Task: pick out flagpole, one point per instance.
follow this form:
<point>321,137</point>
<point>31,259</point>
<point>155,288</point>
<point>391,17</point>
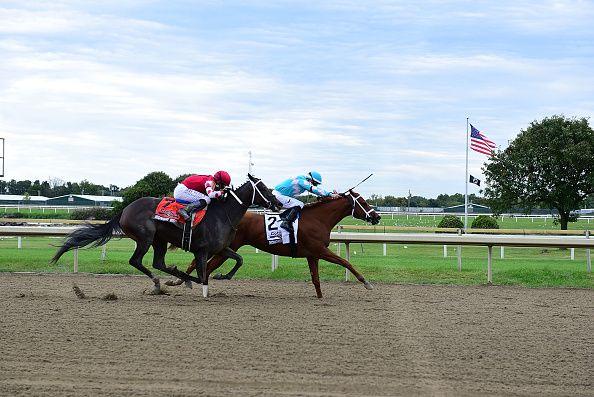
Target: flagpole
<point>466,182</point>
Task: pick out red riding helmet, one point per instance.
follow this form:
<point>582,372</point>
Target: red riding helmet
<point>222,178</point>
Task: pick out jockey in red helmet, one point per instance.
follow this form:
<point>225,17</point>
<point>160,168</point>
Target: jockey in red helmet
<point>198,190</point>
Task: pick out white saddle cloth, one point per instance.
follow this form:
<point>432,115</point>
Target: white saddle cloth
<point>275,234</point>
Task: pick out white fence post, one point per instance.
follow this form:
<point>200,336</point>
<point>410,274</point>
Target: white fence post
<point>445,251</point>
<point>19,242</point>
<point>274,262</point>
<point>385,249</point>
<point>459,253</point>
<point>588,259</point>
<point>75,268</point>
<point>490,264</point>
<point>348,258</point>
<point>502,253</point>
<point>103,251</point>
<point>572,253</point>
<point>257,250</point>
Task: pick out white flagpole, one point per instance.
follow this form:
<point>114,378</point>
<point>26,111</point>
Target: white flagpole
<point>466,182</point>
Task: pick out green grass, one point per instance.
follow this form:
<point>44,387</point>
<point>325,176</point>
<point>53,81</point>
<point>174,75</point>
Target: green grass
<point>37,213</point>
<point>404,264</point>
<point>387,220</point>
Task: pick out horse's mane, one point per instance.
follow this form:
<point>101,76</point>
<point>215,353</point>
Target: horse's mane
<point>321,201</point>
<point>215,203</point>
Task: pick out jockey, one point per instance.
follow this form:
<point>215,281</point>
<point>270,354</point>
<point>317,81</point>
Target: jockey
<point>286,191</point>
<point>198,190</point>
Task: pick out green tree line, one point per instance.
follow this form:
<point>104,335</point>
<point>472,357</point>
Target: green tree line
<point>55,187</point>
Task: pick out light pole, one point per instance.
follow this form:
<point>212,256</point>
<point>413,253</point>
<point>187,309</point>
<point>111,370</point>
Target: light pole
<point>409,196</point>
<point>2,157</point>
<point>250,164</point>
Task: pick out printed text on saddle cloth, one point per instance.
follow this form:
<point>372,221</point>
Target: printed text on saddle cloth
<point>276,234</point>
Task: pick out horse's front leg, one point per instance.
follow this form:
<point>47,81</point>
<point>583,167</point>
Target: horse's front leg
<point>200,257</point>
<point>220,259</point>
<point>160,248</point>
<point>330,256</point>
<point>179,281</point>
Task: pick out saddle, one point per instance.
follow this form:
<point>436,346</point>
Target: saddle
<point>168,211</point>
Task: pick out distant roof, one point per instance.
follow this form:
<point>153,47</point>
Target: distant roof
<point>469,204</point>
<point>20,197</point>
<point>91,197</point>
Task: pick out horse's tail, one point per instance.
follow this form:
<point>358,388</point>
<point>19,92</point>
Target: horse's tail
<point>90,234</point>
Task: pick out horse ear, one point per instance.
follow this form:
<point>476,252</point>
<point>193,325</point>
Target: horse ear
<point>250,176</point>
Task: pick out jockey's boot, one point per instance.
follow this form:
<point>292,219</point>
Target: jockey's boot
<point>288,217</point>
<point>187,211</point>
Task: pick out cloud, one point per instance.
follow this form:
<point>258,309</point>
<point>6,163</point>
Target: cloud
<point>92,90</point>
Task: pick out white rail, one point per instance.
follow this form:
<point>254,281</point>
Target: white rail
<point>487,240</point>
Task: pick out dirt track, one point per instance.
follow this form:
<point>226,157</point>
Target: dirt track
<point>275,338</point>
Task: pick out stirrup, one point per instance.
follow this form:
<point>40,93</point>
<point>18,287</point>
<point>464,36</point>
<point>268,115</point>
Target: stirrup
<point>184,214</point>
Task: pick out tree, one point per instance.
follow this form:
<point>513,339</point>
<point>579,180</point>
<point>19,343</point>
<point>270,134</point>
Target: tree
<point>550,164</point>
<point>155,184</point>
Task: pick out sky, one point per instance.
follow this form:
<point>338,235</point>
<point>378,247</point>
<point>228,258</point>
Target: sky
<point>109,91</point>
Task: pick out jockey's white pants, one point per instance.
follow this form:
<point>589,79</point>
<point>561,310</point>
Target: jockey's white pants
<point>286,201</point>
<point>184,194</point>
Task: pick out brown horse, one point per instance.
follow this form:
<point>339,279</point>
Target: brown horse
<point>313,237</point>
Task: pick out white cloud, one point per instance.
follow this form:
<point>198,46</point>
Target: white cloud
<point>88,90</point>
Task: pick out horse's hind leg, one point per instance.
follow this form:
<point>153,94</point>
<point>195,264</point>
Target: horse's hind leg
<point>315,277</point>
<point>136,261</point>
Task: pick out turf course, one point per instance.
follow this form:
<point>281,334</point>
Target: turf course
<point>504,223</point>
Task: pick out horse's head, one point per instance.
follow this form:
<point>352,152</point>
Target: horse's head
<point>262,196</point>
<point>361,210</point>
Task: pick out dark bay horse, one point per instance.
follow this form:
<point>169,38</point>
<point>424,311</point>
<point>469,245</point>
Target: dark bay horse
<point>212,236</point>
<point>313,236</point>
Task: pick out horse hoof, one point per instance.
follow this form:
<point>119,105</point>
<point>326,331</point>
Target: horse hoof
<point>188,284</point>
<point>173,283</point>
<point>368,285</point>
<point>218,276</point>
<point>155,291</point>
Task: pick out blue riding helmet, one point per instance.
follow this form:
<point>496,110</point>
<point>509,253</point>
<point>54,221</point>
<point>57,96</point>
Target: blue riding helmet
<point>315,177</point>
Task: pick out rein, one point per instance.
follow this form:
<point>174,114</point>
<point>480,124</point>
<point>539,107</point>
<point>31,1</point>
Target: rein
<point>254,190</point>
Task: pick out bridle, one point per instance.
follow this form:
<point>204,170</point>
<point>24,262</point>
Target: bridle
<point>355,202</point>
<point>254,190</point>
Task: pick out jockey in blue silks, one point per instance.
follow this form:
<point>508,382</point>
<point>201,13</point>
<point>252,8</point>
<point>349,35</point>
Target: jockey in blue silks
<point>286,191</point>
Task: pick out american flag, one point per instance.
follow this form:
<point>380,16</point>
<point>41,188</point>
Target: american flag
<point>480,143</point>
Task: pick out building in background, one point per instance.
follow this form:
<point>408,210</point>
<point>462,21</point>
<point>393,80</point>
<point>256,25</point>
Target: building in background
<point>83,200</point>
<point>19,199</point>
<point>472,209</point>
